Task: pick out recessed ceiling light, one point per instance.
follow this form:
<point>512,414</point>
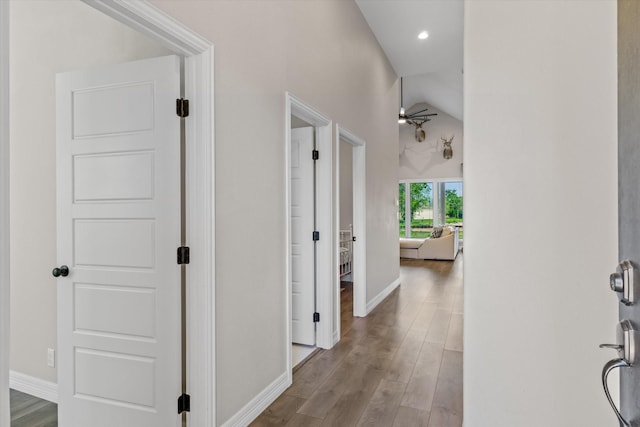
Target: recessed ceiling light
<point>423,35</point>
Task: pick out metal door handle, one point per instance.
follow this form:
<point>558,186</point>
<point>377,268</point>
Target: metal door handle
<point>613,346</point>
<point>63,271</point>
<point>608,367</point>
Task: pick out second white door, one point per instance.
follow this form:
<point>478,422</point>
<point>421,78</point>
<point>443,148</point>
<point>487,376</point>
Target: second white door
<point>302,244</point>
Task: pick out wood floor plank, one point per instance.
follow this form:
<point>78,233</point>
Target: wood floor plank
<point>420,392</point>
<point>330,391</point>
<point>421,388</point>
<point>454,336</point>
<point>458,305</point>
<point>383,406</point>
<point>364,381</point>
<point>410,417</point>
<point>404,362</point>
<point>30,411</point>
<point>355,399</point>
<point>37,419</point>
<point>429,360</point>
<point>400,369</point>
<point>451,367</point>
<point>348,410</point>
<point>387,345</point>
<point>423,320</point>
<point>441,417</point>
<point>299,420</point>
<point>448,396</point>
<point>365,353</point>
<point>447,299</point>
<point>313,373</point>
<point>439,327</point>
<point>279,412</point>
<point>339,351</point>
<point>407,316</point>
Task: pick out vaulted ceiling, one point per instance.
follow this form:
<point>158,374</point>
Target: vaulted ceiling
<point>431,68</point>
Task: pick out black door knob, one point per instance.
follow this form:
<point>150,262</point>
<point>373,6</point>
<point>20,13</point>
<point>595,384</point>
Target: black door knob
<point>63,271</point>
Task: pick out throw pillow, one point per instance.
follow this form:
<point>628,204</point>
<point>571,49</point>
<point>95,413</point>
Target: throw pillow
<point>437,232</point>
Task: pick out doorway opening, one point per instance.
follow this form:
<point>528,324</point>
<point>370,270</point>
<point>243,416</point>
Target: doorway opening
<point>351,219</point>
<point>309,252</point>
<point>304,265</point>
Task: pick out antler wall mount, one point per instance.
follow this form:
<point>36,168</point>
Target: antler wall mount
<point>447,151</point>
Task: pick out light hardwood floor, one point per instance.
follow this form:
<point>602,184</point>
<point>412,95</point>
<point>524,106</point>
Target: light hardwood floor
<point>399,366</point>
<point>29,411</point>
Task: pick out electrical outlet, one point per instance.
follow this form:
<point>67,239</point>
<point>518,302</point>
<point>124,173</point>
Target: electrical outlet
<point>51,358</point>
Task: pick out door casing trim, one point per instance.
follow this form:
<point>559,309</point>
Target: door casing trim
<point>324,194</point>
<point>200,199</point>
<point>4,215</point>
<point>359,220</point>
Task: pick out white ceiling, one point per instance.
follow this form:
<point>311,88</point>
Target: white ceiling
<point>432,68</point>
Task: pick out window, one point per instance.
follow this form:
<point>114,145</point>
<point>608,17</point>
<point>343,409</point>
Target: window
<point>452,206</point>
<point>421,208</point>
<point>401,209</point>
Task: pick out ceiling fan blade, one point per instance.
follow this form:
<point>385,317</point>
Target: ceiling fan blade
<point>422,115</point>
<point>423,118</point>
<point>418,112</point>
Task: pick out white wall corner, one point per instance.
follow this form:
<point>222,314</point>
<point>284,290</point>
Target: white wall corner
<point>258,404</point>
<point>382,295</point>
<point>34,386</point>
<point>4,214</point>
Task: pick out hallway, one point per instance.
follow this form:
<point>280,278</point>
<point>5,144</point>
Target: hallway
<point>400,366</point>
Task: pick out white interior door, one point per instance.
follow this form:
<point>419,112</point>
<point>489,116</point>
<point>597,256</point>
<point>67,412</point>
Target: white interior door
<point>302,245</point>
<point>118,225</point>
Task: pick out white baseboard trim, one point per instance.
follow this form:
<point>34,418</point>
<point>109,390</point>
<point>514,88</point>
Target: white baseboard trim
<point>266,397</point>
<point>336,338</point>
<point>34,386</point>
<point>382,295</point>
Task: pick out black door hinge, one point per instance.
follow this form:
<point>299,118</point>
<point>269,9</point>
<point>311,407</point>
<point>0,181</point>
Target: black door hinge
<point>316,317</point>
<point>183,255</point>
<point>316,236</point>
<point>182,107</point>
<point>184,403</point>
<point>315,155</point>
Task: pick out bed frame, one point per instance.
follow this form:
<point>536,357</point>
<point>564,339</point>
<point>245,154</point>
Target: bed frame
<point>346,251</point>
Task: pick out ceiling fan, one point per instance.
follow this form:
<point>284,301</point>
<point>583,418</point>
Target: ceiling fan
<point>416,119</point>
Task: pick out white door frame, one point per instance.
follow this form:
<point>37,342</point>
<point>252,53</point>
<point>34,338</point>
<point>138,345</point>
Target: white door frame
<point>324,200</point>
<point>4,214</point>
<point>198,53</point>
<point>359,220</point>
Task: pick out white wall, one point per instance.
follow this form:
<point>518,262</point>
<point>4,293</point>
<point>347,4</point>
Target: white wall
<point>4,216</point>
<point>442,88</point>
<point>46,38</point>
<point>540,211</point>
<point>424,159</point>
<point>324,53</point>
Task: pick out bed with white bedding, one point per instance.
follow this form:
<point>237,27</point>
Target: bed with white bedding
<point>346,251</point>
